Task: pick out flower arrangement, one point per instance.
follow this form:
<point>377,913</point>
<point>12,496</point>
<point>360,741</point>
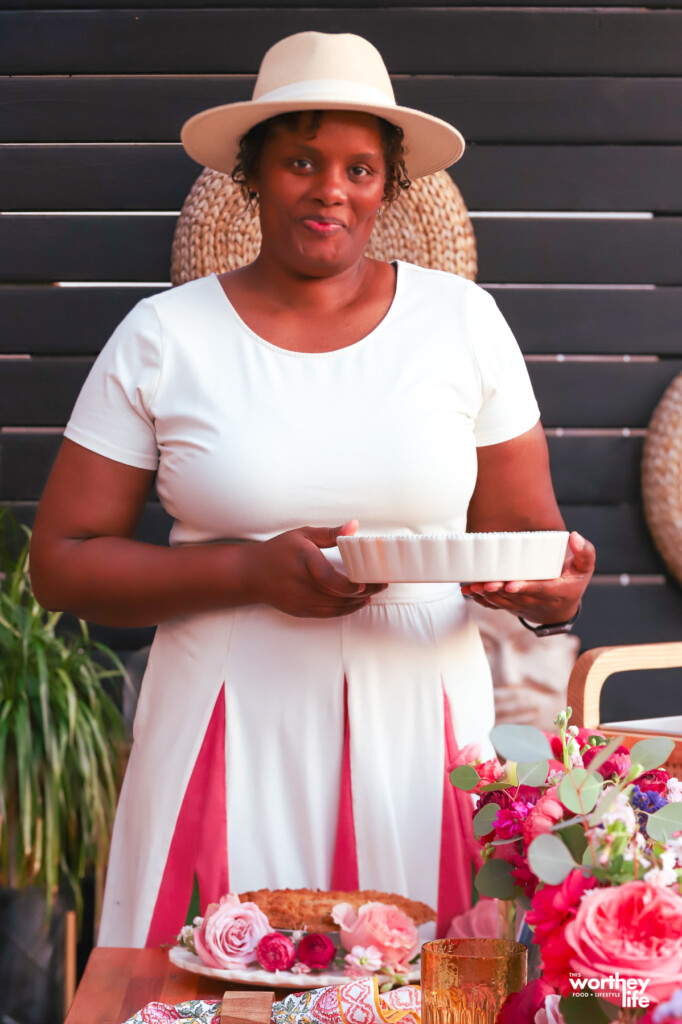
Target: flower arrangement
<point>587,836</point>
<point>379,939</point>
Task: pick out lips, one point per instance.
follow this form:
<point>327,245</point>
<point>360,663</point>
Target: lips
<point>323,225</point>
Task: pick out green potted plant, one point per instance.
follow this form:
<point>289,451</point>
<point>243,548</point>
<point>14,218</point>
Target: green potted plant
<point>60,740</point>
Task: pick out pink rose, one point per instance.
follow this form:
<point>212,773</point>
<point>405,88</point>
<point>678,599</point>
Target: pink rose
<point>380,925</point>
<point>553,907</point>
<point>230,933</point>
<point>490,771</point>
<point>546,813</point>
<point>481,922</point>
<point>617,764</point>
<point>316,950</point>
<point>275,952</point>
<point>465,755</point>
<point>634,929</point>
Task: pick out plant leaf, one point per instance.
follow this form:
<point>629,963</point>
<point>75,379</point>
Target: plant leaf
<point>579,790</point>
<point>521,743</point>
<point>662,824</point>
<point>605,803</point>
<point>496,787</point>
<point>485,819</point>
<point>573,836</point>
<point>583,1009</point>
<point>550,859</point>
<point>495,878</point>
<point>652,753</point>
<point>465,777</point>
<point>532,773</point>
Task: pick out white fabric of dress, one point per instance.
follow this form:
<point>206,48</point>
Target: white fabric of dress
<point>250,440</point>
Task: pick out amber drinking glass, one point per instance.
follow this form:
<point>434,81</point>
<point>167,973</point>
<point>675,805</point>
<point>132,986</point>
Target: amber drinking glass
<point>465,981</point>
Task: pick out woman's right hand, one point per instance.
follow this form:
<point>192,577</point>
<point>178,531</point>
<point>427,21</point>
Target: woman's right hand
<point>290,573</point>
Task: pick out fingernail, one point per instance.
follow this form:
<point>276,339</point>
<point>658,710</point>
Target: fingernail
<point>580,541</point>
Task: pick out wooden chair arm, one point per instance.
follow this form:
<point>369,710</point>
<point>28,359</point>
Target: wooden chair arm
<point>593,668</point>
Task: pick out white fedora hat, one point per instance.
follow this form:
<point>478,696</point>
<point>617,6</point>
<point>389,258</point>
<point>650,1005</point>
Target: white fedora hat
<point>321,71</point>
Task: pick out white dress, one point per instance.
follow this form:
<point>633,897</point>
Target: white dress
<point>251,440</point>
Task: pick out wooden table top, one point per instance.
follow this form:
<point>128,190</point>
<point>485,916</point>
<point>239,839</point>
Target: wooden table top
<point>118,982</point>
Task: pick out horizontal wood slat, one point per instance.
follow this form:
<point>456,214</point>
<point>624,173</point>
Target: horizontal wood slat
<point>147,108</point>
<point>600,321</point>
<point>158,177</point>
<point>551,250</point>
<point>585,470</point>
<point>73,321</point>
<point>41,392</point>
<point>527,41</point>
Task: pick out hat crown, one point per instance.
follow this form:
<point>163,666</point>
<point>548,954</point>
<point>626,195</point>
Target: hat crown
<point>316,56</point>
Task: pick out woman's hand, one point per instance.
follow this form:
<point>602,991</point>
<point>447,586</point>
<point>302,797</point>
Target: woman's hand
<point>290,573</point>
<point>542,601</point>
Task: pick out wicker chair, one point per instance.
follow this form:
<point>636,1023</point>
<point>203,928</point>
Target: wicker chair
<point>428,225</point>
<point>591,671</point>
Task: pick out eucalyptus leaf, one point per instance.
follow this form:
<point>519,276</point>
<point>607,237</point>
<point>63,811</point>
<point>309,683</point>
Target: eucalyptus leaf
<point>662,824</point>
<point>532,773</point>
<point>605,803</point>
<point>579,790</point>
<point>574,838</point>
<point>651,753</point>
<point>496,787</point>
<point>521,743</point>
<point>485,819</point>
<point>494,878</point>
<point>550,859</point>
<point>465,777</point>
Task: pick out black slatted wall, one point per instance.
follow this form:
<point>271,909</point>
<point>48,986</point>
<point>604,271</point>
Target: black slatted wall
<point>573,175</point>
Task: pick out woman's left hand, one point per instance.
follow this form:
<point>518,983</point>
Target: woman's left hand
<point>542,601</point>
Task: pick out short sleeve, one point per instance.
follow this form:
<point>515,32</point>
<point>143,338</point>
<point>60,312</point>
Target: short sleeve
<point>113,414</point>
<point>508,404</point>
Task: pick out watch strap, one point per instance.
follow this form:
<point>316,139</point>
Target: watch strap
<point>551,628</point>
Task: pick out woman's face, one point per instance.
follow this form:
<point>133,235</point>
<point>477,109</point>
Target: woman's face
<point>319,193</point>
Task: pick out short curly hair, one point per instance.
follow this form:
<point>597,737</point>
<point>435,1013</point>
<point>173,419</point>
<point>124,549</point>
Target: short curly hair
<point>251,148</point>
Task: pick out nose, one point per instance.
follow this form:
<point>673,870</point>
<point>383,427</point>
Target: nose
<point>332,184</point>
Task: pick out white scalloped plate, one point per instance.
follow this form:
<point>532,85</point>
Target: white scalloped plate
<point>454,558</point>
<point>188,961</point>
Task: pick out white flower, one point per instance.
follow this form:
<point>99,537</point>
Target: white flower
<point>573,730</point>
<point>555,777</point>
<point>363,961</point>
<point>620,811</point>
<point>674,791</point>
<point>636,844</point>
<point>300,968</point>
<point>666,874</point>
<point>186,933</point>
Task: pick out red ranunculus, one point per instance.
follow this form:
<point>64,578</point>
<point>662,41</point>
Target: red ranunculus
<point>617,764</point>
<point>275,952</point>
<point>316,950</point>
<point>656,780</point>
<point>521,1007</point>
<point>553,907</point>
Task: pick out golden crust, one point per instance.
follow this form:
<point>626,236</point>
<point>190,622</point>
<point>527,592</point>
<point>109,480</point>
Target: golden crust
<point>311,908</point>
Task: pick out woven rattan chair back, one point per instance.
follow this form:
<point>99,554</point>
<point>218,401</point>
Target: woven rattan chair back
<point>662,477</point>
<point>428,225</point>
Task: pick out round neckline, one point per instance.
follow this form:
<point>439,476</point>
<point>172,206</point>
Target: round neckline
<point>354,346</point>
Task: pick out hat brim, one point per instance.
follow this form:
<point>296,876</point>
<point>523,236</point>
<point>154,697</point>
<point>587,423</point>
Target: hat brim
<point>212,136</point>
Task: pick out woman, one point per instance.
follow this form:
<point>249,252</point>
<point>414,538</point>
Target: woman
<point>294,728</point>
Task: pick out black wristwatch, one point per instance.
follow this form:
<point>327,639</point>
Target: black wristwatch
<point>551,628</point>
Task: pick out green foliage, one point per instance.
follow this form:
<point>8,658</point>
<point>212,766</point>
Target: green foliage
<point>60,737</point>
<point>521,743</point>
<point>494,878</point>
<point>650,754</point>
<point>533,773</point>
<point>579,790</point>
<point>464,777</point>
<point>584,1009</point>
<point>550,859</point>
<point>664,823</point>
<point>484,820</point>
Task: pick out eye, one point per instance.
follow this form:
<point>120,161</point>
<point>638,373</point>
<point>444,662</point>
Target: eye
<point>301,163</point>
<point>358,171</point>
